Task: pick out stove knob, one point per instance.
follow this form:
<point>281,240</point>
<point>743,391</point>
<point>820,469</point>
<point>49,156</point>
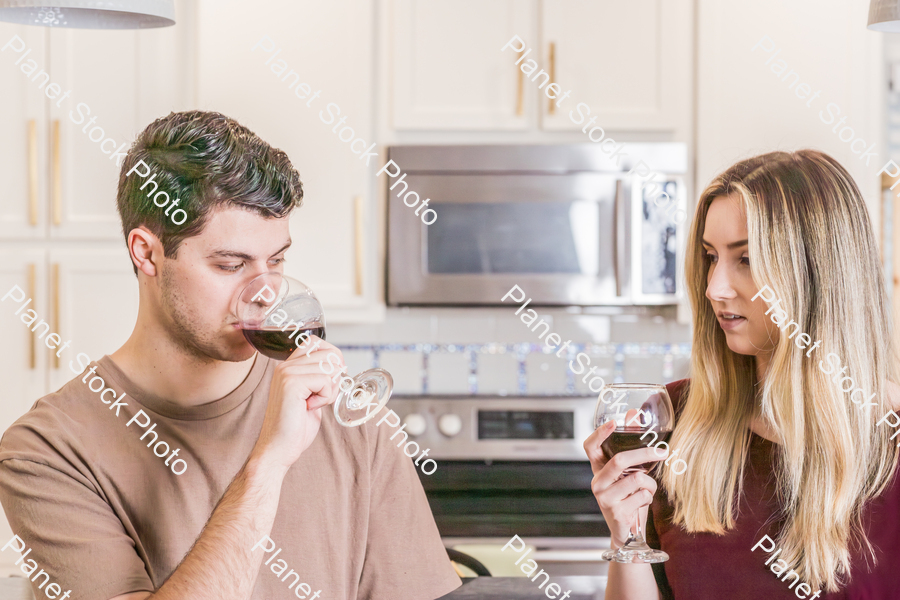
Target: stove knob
<point>450,424</point>
<point>415,424</point>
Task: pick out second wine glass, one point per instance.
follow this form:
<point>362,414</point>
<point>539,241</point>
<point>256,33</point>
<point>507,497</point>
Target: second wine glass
<point>277,315</point>
<point>643,416</point>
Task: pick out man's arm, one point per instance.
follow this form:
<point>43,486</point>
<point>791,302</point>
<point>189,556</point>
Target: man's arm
<point>222,564</point>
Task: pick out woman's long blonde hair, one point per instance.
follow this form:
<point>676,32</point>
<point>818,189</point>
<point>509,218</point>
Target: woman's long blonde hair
<point>810,240</point>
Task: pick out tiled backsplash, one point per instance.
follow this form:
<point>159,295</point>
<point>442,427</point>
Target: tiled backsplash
<point>489,351</point>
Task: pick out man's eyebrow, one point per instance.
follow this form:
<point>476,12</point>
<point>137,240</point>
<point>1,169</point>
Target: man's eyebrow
<point>730,246</point>
<point>230,254</point>
<point>243,255</point>
<point>285,247</point>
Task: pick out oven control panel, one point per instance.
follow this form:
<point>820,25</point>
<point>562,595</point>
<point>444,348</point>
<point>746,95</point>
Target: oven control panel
<point>498,428</point>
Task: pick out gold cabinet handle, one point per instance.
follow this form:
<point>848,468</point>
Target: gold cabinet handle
<point>520,90</point>
<point>32,173</point>
<point>32,347</point>
<point>358,213</point>
<point>552,105</point>
<point>56,327</point>
<point>57,176</point>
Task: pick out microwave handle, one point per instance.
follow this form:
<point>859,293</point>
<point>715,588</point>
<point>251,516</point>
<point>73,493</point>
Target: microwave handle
<point>619,235</point>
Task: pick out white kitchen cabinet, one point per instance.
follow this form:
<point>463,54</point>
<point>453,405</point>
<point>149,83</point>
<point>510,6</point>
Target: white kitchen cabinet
<point>245,71</point>
<point>629,62</point>
<point>88,295</point>
<point>107,72</point>
<point>60,181</point>
<point>448,70</point>
<point>100,70</point>
<point>23,128</point>
<point>23,357</point>
<point>97,295</point>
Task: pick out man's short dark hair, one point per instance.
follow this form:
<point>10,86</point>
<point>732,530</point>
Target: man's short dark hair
<point>206,160</point>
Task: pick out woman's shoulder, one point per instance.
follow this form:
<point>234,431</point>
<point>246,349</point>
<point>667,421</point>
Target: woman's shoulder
<point>678,393</point>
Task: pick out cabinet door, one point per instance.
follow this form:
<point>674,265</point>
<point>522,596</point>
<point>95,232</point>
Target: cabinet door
<point>95,294</point>
<point>99,68</point>
<point>449,70</point>
<point>258,78</point>
<point>629,62</point>
<point>22,129</point>
<point>23,358</point>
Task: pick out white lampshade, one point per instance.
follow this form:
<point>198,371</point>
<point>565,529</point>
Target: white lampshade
<point>884,16</point>
<point>90,14</point>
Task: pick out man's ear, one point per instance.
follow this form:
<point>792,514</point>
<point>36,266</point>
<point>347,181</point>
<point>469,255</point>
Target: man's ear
<point>146,250</point>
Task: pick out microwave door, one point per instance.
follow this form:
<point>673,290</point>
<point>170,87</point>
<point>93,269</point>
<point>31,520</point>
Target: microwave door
<point>658,240</point>
<point>553,235</point>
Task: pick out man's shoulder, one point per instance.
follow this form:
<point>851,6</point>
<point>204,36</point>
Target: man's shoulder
<point>365,444</point>
<point>56,421</point>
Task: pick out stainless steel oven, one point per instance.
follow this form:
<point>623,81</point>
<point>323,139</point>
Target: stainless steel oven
<point>564,223</point>
<point>511,466</point>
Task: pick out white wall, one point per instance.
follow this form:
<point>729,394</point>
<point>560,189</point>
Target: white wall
<point>745,109</point>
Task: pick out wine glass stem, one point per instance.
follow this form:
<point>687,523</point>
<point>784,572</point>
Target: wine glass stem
<point>637,536</point>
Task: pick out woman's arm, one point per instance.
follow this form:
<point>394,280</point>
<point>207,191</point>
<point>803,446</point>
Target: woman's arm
<point>627,582</point>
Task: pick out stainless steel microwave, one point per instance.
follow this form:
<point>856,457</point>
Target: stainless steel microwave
<point>563,222</point>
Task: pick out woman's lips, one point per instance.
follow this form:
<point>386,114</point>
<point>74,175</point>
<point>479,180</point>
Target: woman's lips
<point>727,323</point>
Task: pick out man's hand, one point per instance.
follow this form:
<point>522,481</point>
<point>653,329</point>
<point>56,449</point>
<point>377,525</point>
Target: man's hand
<point>300,389</point>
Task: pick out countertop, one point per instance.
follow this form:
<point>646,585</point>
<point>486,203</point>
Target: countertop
<point>522,588</point>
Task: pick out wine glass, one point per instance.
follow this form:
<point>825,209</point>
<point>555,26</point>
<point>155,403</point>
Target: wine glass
<point>643,415</point>
<point>278,314</point>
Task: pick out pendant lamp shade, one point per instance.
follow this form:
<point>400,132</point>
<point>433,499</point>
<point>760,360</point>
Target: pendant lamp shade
<point>90,14</point>
<point>884,16</point>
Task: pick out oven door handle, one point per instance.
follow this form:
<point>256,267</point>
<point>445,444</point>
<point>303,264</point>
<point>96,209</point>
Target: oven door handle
<point>619,235</point>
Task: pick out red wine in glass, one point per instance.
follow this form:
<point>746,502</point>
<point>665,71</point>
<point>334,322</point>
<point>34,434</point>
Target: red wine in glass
<point>630,438</point>
<point>279,343</point>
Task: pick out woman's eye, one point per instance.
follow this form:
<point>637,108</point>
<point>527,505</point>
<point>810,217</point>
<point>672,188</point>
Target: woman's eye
<point>745,260</point>
<point>712,257</point>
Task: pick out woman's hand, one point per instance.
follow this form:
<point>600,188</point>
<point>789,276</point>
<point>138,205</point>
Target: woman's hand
<point>618,498</point>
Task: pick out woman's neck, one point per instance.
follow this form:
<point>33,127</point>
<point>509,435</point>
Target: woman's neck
<point>758,425</point>
<point>762,366</point>
<point>761,428</point>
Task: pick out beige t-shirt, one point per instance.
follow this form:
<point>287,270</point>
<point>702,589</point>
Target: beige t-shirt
<point>104,516</point>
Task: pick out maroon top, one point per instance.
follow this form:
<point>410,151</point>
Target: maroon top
<point>706,566</point>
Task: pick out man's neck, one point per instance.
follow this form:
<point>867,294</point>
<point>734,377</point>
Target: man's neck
<point>169,372</point>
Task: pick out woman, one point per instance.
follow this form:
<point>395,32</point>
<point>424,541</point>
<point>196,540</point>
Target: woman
<point>774,447</point>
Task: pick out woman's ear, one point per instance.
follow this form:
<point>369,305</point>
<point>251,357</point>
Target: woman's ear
<point>146,250</point>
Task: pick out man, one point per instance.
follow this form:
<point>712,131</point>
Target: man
<point>271,498</point>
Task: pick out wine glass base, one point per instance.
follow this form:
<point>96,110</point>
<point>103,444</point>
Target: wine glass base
<point>364,399</point>
<point>638,554</point>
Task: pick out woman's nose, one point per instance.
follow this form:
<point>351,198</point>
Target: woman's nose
<point>720,286</point>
